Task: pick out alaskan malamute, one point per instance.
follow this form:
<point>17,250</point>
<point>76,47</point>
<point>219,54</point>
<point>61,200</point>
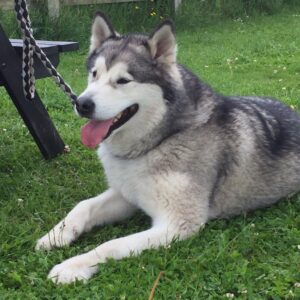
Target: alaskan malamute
<point>171,147</point>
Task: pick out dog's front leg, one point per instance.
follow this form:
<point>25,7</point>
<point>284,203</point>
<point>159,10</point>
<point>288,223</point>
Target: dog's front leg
<point>106,208</point>
<point>82,267</point>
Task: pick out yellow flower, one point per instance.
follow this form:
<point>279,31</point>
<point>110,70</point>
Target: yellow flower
<point>136,7</point>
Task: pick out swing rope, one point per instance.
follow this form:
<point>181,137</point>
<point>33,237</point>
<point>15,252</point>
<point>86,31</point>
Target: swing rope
<point>30,48</point>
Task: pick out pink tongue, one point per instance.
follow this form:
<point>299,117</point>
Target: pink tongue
<point>94,132</point>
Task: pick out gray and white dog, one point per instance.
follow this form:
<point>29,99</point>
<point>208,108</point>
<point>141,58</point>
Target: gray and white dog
<point>171,147</point>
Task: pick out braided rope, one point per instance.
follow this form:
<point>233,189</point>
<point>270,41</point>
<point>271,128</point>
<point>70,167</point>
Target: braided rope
<point>30,48</point>
<point>27,57</point>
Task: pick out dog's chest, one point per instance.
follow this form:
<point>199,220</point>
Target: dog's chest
<point>132,179</point>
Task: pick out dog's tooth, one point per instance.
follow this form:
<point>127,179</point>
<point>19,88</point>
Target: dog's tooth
<point>117,117</point>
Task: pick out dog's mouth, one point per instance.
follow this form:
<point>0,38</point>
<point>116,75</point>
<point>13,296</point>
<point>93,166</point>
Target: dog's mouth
<point>96,131</point>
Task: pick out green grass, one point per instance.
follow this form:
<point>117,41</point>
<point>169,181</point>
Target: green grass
<point>257,253</point>
<point>74,21</point>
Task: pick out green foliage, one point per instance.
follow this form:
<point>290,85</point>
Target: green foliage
<point>240,7</point>
<point>75,21</point>
<point>253,257</point>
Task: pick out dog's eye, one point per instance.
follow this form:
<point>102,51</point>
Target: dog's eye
<point>123,81</point>
<point>94,73</point>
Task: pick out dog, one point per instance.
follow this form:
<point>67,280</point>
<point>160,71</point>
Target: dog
<point>171,147</point>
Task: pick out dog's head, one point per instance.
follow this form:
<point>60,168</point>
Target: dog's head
<point>130,85</point>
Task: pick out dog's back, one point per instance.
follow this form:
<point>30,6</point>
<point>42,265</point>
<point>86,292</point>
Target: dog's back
<point>264,143</point>
<point>247,153</point>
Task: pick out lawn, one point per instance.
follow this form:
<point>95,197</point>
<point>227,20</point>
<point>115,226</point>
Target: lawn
<point>255,256</point>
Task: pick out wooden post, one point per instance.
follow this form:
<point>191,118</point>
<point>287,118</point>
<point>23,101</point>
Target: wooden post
<point>53,8</point>
<point>177,4</point>
<point>33,112</point>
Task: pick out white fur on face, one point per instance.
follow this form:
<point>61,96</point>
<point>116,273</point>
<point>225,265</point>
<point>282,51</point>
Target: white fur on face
<point>100,68</point>
<point>111,98</point>
<point>152,109</point>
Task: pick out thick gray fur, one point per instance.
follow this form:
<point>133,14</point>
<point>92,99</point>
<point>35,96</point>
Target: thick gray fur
<point>186,156</point>
<point>244,150</point>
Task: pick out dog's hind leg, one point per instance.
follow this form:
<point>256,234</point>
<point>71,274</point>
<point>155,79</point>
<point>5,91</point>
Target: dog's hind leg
<point>106,208</point>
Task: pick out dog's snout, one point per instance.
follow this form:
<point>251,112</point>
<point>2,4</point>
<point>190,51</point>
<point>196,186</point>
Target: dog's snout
<point>85,106</point>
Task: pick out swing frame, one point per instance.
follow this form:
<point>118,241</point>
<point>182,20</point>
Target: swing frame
<point>34,114</point>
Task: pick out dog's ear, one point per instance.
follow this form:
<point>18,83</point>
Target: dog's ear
<point>162,43</point>
<point>101,30</point>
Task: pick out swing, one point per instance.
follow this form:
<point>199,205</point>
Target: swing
<point>34,65</point>
<point>30,47</point>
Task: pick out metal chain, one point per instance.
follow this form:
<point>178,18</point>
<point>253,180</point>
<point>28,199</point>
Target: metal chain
<point>30,48</point>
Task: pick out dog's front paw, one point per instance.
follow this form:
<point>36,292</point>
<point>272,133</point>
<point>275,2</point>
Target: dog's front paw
<point>60,236</point>
<point>74,269</point>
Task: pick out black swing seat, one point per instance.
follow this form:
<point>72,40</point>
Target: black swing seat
<point>51,48</point>
<point>33,112</point>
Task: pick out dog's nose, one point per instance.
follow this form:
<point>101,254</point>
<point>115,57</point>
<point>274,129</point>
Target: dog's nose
<point>85,107</point>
